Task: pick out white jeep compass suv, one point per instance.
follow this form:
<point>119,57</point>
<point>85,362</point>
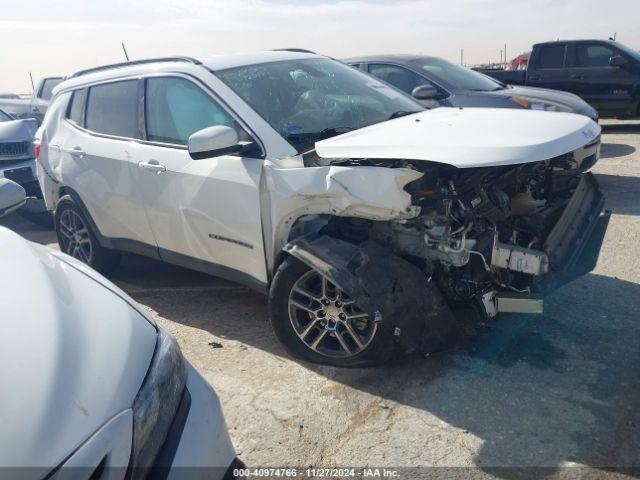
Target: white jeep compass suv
<point>371,223</point>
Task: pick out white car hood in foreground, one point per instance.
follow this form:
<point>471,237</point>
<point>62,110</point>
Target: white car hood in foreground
<point>469,137</point>
<point>74,355</point>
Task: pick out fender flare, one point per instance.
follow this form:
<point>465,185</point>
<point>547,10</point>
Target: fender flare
<point>389,288</point>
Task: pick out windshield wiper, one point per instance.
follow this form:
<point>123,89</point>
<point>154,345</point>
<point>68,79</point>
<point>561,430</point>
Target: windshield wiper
<point>304,138</point>
<point>401,113</point>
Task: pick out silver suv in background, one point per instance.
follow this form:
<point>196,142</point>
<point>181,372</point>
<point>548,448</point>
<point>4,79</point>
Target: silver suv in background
<point>437,82</point>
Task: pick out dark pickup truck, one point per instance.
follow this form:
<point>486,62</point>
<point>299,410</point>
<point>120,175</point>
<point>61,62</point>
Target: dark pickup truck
<point>605,73</point>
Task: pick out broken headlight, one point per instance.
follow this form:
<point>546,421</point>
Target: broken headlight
<point>157,402</point>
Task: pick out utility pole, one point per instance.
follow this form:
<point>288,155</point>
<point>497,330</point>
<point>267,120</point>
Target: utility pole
<point>462,57</point>
<point>125,51</point>
<point>505,53</point>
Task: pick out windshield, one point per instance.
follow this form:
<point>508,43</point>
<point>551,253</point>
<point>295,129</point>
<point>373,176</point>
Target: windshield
<point>460,78</point>
<point>629,51</point>
<point>310,99</point>
<point>4,117</point>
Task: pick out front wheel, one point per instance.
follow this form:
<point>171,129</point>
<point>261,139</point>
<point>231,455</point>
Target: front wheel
<point>76,238</point>
<point>316,321</point>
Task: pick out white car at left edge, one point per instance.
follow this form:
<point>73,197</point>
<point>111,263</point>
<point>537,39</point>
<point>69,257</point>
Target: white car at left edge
<point>92,388</point>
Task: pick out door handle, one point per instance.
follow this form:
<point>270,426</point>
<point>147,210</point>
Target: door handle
<point>77,152</point>
<point>153,165</point>
<point>577,77</point>
<point>534,77</point>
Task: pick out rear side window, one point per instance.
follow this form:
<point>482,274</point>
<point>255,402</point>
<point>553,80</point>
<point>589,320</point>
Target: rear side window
<point>593,55</point>
<point>551,56</point>
<point>176,108</point>
<point>112,109</point>
<point>47,88</point>
<point>75,112</point>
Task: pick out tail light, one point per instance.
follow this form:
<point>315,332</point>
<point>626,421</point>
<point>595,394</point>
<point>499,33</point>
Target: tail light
<point>36,150</point>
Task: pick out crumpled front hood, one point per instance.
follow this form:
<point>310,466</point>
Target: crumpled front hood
<point>74,354</point>
<point>18,130</point>
<point>467,137</point>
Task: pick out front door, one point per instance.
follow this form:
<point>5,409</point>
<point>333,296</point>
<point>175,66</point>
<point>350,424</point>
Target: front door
<point>205,214</point>
<point>403,79</point>
<point>608,89</point>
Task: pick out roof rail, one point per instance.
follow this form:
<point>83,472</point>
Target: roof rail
<point>134,62</point>
<point>298,50</point>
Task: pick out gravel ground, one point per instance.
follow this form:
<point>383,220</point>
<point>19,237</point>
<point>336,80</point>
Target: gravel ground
<point>548,391</point>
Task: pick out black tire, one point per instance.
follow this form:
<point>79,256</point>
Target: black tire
<point>380,348</point>
<point>96,256</point>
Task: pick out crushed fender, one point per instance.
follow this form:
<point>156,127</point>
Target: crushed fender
<point>385,286</point>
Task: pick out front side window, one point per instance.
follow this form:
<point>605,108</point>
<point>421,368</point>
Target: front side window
<point>309,99</point>
<point>75,113</point>
<point>399,77</point>
<point>47,88</point>
<point>176,108</point>
<point>112,109</point>
<point>593,56</point>
<point>551,56</point>
<point>4,117</point>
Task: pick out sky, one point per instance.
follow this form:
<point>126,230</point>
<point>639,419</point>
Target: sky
<point>61,36</point>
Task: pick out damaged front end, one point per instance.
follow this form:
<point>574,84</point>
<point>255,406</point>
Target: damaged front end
<point>496,239</point>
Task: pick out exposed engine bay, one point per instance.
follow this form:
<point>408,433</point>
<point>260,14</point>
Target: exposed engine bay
<point>496,238</point>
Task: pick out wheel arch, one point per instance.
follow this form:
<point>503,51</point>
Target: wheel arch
<point>65,191</point>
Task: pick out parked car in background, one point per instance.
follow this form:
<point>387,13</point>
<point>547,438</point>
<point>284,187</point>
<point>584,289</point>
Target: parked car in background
<point>17,163</point>
<point>604,73</point>
<point>34,107</point>
<point>92,387</point>
<point>438,82</point>
<point>17,158</point>
<point>365,218</point>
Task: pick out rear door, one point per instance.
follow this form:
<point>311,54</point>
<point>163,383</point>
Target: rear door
<point>608,89</point>
<point>547,68</point>
<point>205,214</point>
<point>100,146</point>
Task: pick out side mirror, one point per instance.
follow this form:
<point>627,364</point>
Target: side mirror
<point>425,92</point>
<point>12,196</point>
<point>213,142</point>
<point>617,61</point>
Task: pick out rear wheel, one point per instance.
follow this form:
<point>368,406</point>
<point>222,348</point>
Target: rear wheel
<point>317,321</point>
<point>76,238</point>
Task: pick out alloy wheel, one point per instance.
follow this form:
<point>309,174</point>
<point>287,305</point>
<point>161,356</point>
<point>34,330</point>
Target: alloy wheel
<point>74,236</point>
<point>326,319</point>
